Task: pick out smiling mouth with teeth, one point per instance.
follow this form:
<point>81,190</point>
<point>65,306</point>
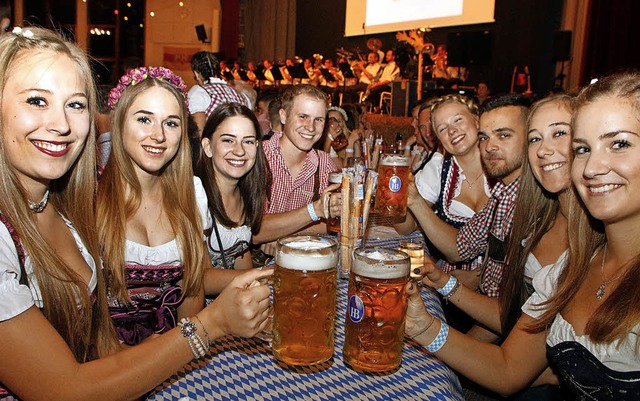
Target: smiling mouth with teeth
<point>551,167</point>
<point>153,150</point>
<point>604,188</point>
<point>237,163</point>
<point>51,146</point>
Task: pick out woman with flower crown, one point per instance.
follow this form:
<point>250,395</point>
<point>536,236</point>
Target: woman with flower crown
<point>58,341</point>
<point>152,211</point>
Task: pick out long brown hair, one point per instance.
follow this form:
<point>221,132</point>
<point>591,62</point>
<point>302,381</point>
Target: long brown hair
<point>252,185</point>
<point>119,197</point>
<point>534,215</point>
<point>620,312</point>
<point>83,324</point>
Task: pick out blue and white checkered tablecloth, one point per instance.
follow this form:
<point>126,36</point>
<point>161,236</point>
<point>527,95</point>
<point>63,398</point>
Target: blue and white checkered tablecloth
<point>244,369</point>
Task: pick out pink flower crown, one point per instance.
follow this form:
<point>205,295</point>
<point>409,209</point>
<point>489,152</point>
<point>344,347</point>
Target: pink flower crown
<point>138,75</point>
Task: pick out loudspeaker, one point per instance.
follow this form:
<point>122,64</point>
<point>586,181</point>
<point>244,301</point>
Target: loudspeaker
<point>202,34</point>
<point>403,94</point>
<point>562,45</point>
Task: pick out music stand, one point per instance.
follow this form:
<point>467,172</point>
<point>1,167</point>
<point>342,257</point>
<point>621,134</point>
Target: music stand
<point>243,75</point>
<point>260,75</point>
<point>327,75</point>
<point>347,72</point>
<point>228,75</point>
<point>277,75</point>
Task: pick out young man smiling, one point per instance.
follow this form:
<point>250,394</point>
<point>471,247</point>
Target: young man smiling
<point>299,172</point>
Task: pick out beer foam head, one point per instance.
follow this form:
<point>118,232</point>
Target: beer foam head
<point>381,263</point>
<point>307,253</point>
<point>394,160</point>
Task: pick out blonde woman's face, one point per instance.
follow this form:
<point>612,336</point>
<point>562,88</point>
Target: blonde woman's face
<point>606,164</point>
<point>456,127</point>
<point>45,116</point>
<point>549,148</point>
<point>152,130</point>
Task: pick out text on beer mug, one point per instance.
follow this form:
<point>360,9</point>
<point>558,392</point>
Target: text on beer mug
<point>377,303</point>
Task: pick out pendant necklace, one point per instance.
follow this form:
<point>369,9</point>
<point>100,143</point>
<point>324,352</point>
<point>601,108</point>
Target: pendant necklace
<point>39,207</point>
<point>470,183</point>
<point>601,291</point>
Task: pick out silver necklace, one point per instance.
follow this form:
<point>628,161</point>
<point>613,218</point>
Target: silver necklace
<point>470,183</point>
<point>39,207</point>
<point>601,291</point>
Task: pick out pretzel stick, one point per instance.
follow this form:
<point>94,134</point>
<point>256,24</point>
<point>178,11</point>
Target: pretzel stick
<point>345,257</point>
<point>370,185</point>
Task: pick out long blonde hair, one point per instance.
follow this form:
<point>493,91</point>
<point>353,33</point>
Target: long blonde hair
<point>535,213</point>
<point>119,196</point>
<point>86,329</point>
<point>620,312</point>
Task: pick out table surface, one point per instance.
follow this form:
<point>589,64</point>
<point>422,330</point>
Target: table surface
<point>240,368</point>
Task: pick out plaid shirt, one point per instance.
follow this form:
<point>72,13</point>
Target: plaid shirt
<point>495,218</point>
<point>290,193</point>
<point>220,93</point>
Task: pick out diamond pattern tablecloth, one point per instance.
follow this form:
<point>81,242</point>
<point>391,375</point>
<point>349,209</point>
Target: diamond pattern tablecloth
<point>244,369</point>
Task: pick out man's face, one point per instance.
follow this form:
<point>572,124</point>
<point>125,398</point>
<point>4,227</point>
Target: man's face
<point>372,58</point>
<point>304,123</point>
<point>389,56</point>
<point>503,134</point>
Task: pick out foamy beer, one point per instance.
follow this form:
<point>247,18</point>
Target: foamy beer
<point>374,324</point>
<point>304,299</point>
<point>393,177</point>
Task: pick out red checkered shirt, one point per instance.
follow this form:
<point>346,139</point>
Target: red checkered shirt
<point>495,218</point>
<point>290,193</point>
<point>220,93</point>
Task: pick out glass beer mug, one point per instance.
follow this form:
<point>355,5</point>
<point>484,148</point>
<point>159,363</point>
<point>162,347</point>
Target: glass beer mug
<point>377,304</point>
<point>304,299</point>
<point>393,178</point>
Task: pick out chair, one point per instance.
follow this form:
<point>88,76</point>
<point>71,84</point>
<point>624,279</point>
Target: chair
<point>385,102</point>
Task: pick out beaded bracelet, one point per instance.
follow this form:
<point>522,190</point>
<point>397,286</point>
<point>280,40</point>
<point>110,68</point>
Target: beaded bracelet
<point>190,332</point>
<point>444,291</point>
<point>455,289</point>
<point>312,212</point>
<point>440,339</point>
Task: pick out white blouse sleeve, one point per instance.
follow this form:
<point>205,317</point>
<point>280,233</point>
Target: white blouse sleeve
<point>544,284</point>
<point>428,179</point>
<point>199,99</point>
<point>14,297</point>
<point>203,207</point>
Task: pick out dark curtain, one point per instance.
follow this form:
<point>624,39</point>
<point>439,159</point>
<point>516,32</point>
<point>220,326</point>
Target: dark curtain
<point>612,37</point>
<point>230,28</point>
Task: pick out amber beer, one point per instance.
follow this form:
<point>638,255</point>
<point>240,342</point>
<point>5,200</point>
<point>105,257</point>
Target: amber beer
<point>304,299</point>
<point>393,177</point>
<point>377,303</point>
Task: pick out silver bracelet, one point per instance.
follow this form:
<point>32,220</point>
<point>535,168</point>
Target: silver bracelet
<point>206,333</point>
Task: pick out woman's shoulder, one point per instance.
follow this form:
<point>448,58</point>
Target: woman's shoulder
<point>202,202</point>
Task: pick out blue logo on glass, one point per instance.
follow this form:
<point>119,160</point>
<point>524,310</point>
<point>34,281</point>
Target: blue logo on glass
<point>356,309</point>
<point>395,183</point>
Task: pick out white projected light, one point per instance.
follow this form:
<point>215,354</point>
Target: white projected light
<point>365,17</point>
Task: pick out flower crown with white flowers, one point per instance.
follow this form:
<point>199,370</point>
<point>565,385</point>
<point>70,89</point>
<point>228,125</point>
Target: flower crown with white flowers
<point>138,75</point>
